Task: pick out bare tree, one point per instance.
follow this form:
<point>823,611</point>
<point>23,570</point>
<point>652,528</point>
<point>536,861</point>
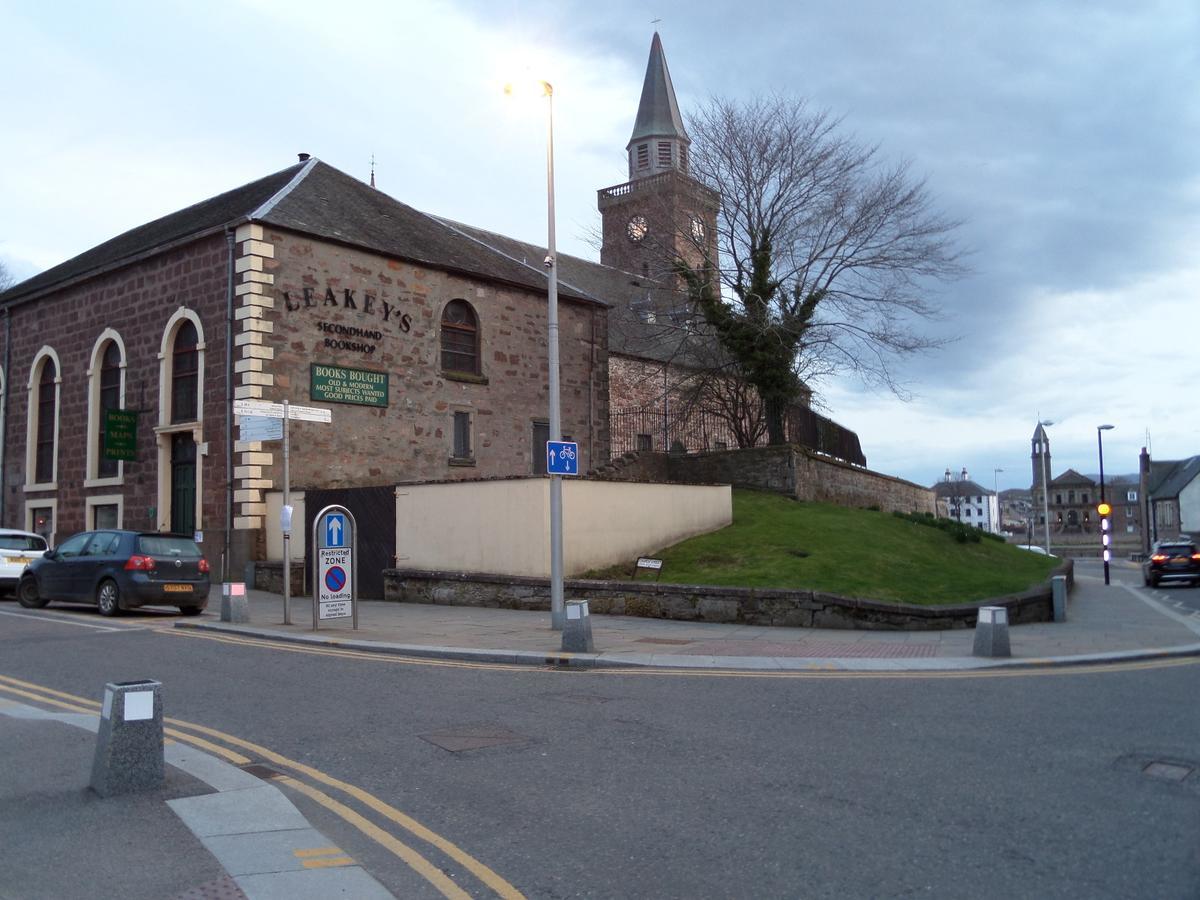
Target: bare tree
<point>6,279</point>
<point>825,252</point>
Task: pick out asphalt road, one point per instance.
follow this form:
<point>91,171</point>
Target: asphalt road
<point>635,784</point>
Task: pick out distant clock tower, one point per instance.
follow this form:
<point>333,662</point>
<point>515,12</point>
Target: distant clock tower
<point>661,214</point>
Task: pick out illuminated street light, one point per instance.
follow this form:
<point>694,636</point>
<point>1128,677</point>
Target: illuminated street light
<point>551,263</point>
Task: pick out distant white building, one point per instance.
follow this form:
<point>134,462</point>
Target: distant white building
<point>960,498</point>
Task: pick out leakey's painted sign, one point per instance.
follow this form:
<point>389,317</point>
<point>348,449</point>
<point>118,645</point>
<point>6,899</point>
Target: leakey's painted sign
<point>339,384</point>
<point>339,336</point>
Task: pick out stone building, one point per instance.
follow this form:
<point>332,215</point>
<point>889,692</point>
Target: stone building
<point>308,286</point>
<point>1170,498</point>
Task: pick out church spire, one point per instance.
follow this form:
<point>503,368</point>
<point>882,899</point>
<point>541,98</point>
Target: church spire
<point>659,141</point>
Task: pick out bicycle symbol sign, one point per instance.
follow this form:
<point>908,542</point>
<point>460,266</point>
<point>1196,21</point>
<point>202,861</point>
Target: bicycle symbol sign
<point>562,458</point>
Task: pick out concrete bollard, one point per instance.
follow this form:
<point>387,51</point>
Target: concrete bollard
<point>234,605</point>
<point>577,628</point>
<point>1058,590</point>
<point>991,632</point>
<point>129,745</point>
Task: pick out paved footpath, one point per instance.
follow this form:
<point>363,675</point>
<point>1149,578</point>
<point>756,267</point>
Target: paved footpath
<point>1104,623</point>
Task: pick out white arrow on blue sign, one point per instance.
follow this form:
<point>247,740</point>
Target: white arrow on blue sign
<point>335,530</point>
<point>562,458</point>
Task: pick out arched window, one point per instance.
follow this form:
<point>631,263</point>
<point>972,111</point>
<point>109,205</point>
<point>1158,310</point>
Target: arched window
<point>185,374</point>
<point>110,398</point>
<point>43,468</point>
<point>460,338</point>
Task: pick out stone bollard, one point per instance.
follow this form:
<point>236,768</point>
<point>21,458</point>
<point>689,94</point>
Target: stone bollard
<point>1058,590</point>
<point>991,632</point>
<point>129,745</point>
<point>234,605</point>
<point>577,628</point>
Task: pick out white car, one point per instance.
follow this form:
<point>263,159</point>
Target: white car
<point>1034,548</point>
<point>17,549</point>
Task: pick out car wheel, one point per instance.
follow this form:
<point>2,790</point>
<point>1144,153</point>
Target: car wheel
<point>108,598</point>
<point>28,595</point>
<point>191,610</point>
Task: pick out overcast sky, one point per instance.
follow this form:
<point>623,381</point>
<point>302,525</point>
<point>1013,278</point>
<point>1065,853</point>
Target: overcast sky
<point>1066,136</point>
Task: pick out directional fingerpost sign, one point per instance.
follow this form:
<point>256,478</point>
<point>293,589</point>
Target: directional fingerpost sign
<point>335,540</point>
<point>562,458</point>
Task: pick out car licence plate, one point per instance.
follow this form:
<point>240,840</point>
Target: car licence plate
<point>20,560</point>
<point>177,588</point>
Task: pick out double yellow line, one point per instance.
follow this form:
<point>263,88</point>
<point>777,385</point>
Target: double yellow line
<point>189,733</point>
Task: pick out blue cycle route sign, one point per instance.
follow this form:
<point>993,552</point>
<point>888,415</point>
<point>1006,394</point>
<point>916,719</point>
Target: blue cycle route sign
<point>335,530</point>
<point>562,458</point>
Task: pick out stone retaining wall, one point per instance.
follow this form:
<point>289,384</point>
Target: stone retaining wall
<point>804,474</point>
<point>698,603</point>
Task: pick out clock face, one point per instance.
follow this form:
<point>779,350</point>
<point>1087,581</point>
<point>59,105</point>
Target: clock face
<point>697,229</point>
<point>636,228</point>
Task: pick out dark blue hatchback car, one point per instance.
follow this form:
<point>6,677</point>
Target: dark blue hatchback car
<point>119,570</point>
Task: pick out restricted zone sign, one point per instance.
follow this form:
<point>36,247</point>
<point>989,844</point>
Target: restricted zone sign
<point>334,587</point>
<point>334,542</point>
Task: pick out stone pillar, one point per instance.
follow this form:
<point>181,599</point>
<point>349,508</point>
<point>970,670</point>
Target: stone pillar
<point>235,605</point>
<point>1058,592</point>
<point>129,745</point>
<point>991,632</point>
<point>577,628</point>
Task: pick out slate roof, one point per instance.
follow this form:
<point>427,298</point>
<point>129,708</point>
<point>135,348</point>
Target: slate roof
<point>312,198</point>
<point>1072,477</point>
<point>960,489</point>
<point>1173,479</point>
<point>629,333</point>
<point>658,112</point>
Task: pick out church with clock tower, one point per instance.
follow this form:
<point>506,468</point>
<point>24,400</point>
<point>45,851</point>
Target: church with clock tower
<point>661,213</point>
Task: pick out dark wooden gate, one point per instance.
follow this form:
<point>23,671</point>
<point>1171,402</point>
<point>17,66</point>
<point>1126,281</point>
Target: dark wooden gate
<point>374,510</point>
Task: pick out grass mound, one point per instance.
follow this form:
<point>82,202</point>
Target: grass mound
<point>777,542</point>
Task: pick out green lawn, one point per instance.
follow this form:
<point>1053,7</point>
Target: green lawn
<point>776,542</point>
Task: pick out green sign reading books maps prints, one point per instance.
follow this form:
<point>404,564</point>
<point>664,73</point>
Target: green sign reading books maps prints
<point>120,434</point>
<point>338,384</point>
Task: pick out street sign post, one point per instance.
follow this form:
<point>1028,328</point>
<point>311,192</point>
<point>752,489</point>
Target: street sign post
<point>256,423</point>
<point>562,458</point>
<point>334,546</point>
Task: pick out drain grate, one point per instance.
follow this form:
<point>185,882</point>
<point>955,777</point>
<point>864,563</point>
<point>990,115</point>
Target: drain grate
<point>460,738</point>
<point>1169,771</point>
<point>224,888</point>
<point>266,773</point>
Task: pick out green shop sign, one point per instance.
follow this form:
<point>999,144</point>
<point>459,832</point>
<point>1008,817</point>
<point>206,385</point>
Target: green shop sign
<point>120,434</point>
<point>338,384</point>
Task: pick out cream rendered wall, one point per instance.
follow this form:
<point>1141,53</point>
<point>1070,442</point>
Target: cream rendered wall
<point>1189,508</point>
<point>502,527</point>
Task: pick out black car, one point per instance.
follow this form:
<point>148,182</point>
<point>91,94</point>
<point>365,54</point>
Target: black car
<point>119,570</point>
<point>1177,560</point>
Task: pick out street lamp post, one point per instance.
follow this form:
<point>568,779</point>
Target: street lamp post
<point>996,493</point>
<point>1046,423</point>
<point>1104,508</point>
<point>551,264</point>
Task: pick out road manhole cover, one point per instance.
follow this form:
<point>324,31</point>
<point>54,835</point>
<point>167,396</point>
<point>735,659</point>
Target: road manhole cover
<point>459,738</point>
<point>1169,771</point>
